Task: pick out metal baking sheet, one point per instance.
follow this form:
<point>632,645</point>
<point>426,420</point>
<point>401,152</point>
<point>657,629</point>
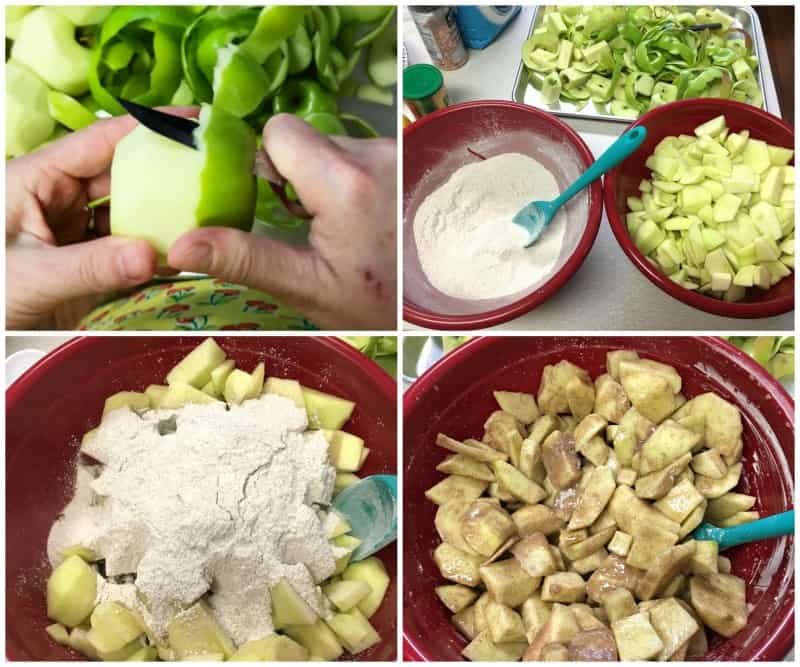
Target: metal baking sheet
<point>745,17</point>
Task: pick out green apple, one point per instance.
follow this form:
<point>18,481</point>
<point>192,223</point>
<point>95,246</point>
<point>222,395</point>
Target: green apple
<point>46,43</point>
<point>28,121</point>
<point>161,189</point>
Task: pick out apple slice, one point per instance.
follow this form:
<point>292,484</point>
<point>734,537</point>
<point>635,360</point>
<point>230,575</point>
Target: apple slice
<point>196,367</point>
<point>325,410</point>
<point>71,590</point>
<point>288,608</point>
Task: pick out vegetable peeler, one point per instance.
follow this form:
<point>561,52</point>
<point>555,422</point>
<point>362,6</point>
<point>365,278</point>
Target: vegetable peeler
<point>180,129</point>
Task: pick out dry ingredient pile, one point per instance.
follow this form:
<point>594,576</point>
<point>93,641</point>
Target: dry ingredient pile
<point>204,499</point>
<point>467,244</point>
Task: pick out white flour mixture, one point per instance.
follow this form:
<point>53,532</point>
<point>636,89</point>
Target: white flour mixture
<point>467,245</point>
<point>229,503</point>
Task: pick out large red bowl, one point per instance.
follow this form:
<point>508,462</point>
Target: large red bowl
<point>455,397</point>
<point>61,397</point>
<point>436,145</point>
<point>623,181</point>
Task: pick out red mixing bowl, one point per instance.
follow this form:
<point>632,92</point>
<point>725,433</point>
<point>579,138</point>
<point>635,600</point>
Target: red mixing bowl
<point>623,181</point>
<point>455,397</point>
<point>50,407</point>
<point>437,145</point>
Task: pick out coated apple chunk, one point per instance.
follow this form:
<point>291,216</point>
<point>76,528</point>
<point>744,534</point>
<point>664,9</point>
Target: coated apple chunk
<point>566,526</point>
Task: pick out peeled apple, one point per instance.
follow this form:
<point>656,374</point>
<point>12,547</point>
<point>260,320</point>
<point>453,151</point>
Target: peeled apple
<point>14,16</point>
<point>161,189</point>
<point>28,121</point>
<point>46,43</point>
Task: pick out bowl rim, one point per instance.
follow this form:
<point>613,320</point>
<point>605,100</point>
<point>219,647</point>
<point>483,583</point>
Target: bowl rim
<point>781,640</point>
<point>742,310</point>
<point>426,318</point>
<point>16,391</point>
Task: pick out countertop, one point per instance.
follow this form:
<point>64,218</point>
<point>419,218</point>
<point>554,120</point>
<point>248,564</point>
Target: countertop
<point>608,292</point>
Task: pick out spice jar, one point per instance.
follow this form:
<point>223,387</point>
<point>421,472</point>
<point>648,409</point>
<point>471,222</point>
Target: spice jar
<point>423,89</point>
<point>439,31</point>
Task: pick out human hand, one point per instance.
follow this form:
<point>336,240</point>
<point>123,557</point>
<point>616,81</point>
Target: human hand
<point>346,277</point>
<point>56,268</point>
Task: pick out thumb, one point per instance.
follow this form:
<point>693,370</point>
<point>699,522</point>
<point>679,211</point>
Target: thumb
<point>282,270</point>
<point>95,267</point>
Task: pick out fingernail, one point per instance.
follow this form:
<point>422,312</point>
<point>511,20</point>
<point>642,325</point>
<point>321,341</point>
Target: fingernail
<point>133,264</point>
<point>197,255</point>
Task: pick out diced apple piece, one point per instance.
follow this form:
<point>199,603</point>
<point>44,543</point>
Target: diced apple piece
<point>180,394</point>
<point>534,555</point>
<point>560,627</point>
<point>120,654</point>
<point>241,386</point>
<point>727,505</point>
<point>354,631</point>
<point>679,502</point>
<point>325,410</point>
<point>195,368</point>
<point>636,638</point>
<point>651,394</point>
<point>78,640</point>
<point>593,646</point>
<point>520,406</point>
<point>344,545</point>
<point>290,389</point>
<point>456,488</point>
<point>455,596</point>
<point>663,568</point>
<point>465,622</point>
<point>714,488</point>
<point>208,388</point>
<point>318,639</point>
<point>145,654</point>
<point>704,560</point>
<point>483,649</point>
<point>134,400</point>
<point>220,374</point>
<point>720,601</point>
<point>517,484</point>
<point>505,625</point>
<point>592,498</point>
<point>507,582</point>
<point>561,460</point>
<point>674,625</point>
<point>113,627</point>
<point>738,519</point>
<point>372,572</point>
<point>343,480</point>
<point>459,464</point>
<point>564,587</point>
<point>347,594</point>
<point>486,526</point>
<point>648,542</point>
<point>155,393</point>
<point>71,591</point>
<point>273,648</point>
<point>288,608</point>
<point>345,450</point>
<point>472,448</point>
<point>195,631</point>
<point>709,463</point>
<point>58,633</point>
<point>337,525</point>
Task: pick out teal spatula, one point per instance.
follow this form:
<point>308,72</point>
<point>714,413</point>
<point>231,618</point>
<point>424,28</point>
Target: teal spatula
<point>771,526</point>
<point>370,507</point>
<point>537,215</point>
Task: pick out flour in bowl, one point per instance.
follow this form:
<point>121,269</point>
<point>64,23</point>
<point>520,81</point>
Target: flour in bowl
<point>467,245</point>
<point>205,502</point>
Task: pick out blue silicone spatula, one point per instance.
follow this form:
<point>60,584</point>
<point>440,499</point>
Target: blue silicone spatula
<point>537,215</point>
<point>770,526</point>
<point>370,507</point>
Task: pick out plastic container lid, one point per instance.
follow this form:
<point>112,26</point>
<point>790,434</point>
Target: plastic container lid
<point>421,81</point>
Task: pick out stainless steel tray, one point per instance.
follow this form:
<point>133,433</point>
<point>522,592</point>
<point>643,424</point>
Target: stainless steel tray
<point>745,17</point>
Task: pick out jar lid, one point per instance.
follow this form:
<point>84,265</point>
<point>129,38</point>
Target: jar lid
<point>421,81</point>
